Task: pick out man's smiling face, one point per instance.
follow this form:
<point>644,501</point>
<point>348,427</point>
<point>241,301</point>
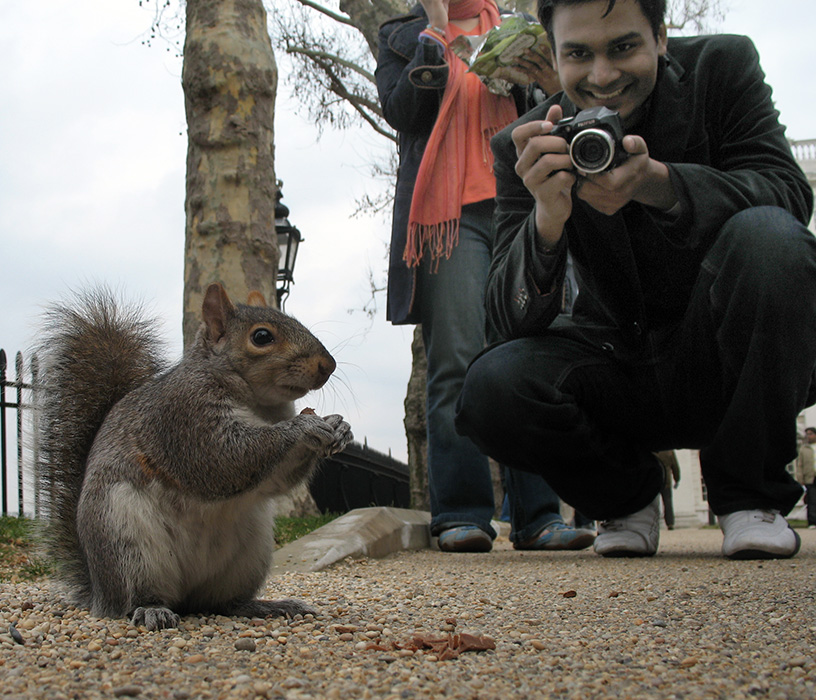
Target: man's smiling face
<point>610,60</point>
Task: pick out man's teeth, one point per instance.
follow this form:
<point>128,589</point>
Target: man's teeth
<point>607,95</point>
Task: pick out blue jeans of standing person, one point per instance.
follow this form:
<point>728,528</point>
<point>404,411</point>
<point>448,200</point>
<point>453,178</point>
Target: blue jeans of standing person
<point>453,330</point>
<point>729,380</point>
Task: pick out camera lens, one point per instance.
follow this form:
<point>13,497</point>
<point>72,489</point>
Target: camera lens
<point>592,150</point>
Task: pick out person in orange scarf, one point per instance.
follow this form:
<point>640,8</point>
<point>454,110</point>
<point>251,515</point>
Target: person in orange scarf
<point>442,239</point>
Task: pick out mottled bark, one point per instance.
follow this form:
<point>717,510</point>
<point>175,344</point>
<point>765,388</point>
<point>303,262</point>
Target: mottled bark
<point>415,425</point>
<point>230,81</point>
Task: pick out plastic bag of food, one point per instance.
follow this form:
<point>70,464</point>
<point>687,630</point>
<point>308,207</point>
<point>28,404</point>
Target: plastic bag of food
<point>493,56</point>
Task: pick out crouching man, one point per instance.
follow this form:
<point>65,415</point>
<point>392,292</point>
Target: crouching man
<point>695,267</point>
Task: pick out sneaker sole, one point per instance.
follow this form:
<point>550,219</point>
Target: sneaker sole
<point>747,554</point>
<point>626,554</point>
<point>472,544</point>
<point>581,542</point>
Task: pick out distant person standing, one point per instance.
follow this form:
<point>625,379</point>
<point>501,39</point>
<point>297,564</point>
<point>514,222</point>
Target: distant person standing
<point>806,473</point>
<point>668,458</point>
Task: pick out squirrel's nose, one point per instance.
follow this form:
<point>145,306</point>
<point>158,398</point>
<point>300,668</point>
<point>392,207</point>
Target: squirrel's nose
<point>325,367</point>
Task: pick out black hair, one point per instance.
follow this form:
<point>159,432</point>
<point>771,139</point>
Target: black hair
<point>653,10</point>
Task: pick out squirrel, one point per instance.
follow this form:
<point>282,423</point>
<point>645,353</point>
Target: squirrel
<point>159,482</point>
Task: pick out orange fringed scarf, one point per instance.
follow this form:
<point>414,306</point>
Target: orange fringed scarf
<point>436,206</point>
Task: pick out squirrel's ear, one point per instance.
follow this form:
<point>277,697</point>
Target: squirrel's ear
<point>215,310</point>
<point>255,298</point>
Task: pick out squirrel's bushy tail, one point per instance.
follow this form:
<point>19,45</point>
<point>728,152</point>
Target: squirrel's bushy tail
<point>92,351</point>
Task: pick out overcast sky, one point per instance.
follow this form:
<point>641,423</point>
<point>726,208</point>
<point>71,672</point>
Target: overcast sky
<point>92,161</point>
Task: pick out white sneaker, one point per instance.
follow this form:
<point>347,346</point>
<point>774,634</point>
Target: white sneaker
<point>635,535</point>
<point>758,534</point>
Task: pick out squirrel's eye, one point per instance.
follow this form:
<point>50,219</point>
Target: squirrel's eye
<point>262,336</point>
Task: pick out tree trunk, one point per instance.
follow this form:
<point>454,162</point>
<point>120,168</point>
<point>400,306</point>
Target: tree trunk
<point>230,81</point>
<point>415,425</point>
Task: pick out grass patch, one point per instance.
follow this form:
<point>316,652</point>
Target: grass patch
<point>18,558</point>
<point>290,529</point>
<point>15,530</point>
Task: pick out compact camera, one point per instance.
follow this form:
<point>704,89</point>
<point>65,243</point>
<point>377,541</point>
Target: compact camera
<point>595,139</point>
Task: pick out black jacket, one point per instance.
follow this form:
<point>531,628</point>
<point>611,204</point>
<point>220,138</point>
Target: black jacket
<point>712,121</point>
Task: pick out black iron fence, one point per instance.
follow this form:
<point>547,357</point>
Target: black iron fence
<point>359,477</point>
<point>18,449</point>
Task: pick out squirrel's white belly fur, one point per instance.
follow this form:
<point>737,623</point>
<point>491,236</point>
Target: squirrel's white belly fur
<point>201,551</point>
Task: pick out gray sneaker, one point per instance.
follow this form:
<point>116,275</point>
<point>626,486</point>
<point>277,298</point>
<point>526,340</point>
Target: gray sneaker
<point>636,535</point>
<point>758,534</point>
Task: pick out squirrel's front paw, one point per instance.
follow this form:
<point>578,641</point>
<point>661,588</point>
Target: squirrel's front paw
<point>342,433</point>
<point>327,435</point>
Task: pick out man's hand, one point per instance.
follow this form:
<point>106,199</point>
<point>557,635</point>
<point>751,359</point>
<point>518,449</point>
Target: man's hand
<point>638,178</point>
<point>540,70</point>
<point>545,168</point>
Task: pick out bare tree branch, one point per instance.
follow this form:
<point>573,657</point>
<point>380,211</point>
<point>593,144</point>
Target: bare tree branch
<point>355,101</point>
<point>332,58</point>
<point>341,19</point>
<point>695,13</point>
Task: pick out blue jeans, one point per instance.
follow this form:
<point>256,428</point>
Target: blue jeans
<point>451,302</point>
<point>729,380</point>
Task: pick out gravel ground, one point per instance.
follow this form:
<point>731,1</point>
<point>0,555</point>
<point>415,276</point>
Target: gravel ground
<point>685,624</point>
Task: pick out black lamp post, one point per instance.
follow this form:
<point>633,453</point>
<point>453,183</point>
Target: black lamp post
<point>289,239</point>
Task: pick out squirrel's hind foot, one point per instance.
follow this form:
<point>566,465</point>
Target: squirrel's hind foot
<point>272,608</point>
<point>155,618</point>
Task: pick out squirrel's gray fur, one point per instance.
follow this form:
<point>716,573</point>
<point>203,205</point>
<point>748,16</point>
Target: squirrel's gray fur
<point>160,481</point>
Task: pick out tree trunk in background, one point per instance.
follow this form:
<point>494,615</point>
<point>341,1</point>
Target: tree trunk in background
<point>498,487</point>
<point>230,81</point>
<point>415,425</point>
